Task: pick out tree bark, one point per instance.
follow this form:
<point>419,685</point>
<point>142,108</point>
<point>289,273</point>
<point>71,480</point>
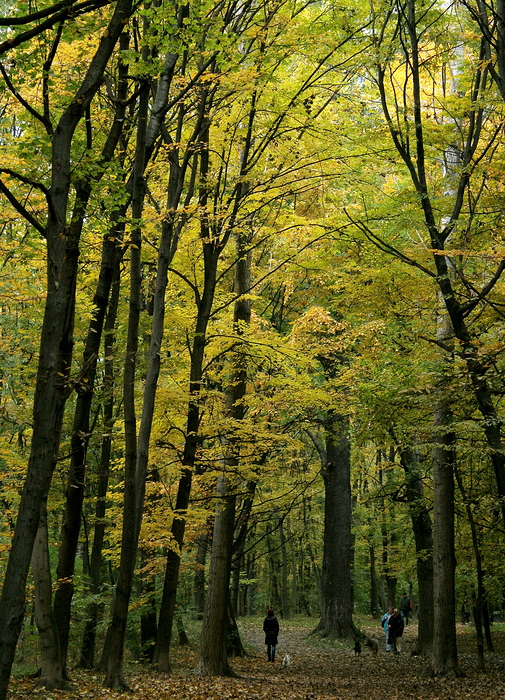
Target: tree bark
<point>112,657</point>
<point>51,674</point>
<point>336,613</point>
<point>285,607</point>
<point>199,579</point>
<point>444,658</point>
<point>94,609</point>
<point>423,536</point>
<point>213,652</point>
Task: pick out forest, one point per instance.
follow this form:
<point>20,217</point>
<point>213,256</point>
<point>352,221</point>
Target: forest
<point>251,329</point>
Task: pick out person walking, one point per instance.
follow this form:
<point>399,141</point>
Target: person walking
<point>271,630</point>
<point>405,608</point>
<point>384,625</point>
<point>465,612</point>
<point>395,627</point>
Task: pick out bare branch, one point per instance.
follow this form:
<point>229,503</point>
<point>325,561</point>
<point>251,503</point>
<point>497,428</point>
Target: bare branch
<point>387,247</point>
<point>21,209</point>
<point>26,19</point>
<point>40,117</point>
<point>64,14</point>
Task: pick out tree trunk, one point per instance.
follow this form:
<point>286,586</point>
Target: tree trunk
<point>51,675</point>
<point>94,609</point>
<point>234,643</point>
<point>375,609</point>
<point>294,578</point>
<point>237,565</point>
<point>314,567</point>
<point>239,592</point>
<point>213,652</point>
<point>211,253</point>
<point>479,598</point>
<point>199,579</point>
<point>444,659</point>
<point>55,347</point>
<point>250,591</point>
<point>285,607</point>
<point>336,613</point>
<point>112,656</point>
<point>423,536</point>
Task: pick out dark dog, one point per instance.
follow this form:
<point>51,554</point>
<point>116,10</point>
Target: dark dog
<point>373,645</point>
<point>357,648</point>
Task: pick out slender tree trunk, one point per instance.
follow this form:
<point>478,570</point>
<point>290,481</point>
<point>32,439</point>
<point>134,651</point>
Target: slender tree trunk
<point>238,593</point>
<point>375,610</point>
<point>250,594</point>
<point>148,617</point>
<point>444,658</point>
<point>285,607</point>
<point>237,565</point>
<point>423,536</point>
<point>294,582</point>
<point>211,253</point>
<point>487,626</point>
<point>94,609</point>
<point>479,599</point>
<point>199,580</point>
<point>112,658</point>
<point>315,570</point>
<point>213,652</point>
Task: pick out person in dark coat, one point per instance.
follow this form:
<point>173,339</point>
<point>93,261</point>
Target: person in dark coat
<point>405,608</point>
<point>395,629</point>
<point>271,630</point>
<point>465,612</point>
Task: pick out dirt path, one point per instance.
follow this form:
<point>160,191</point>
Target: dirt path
<point>320,670</point>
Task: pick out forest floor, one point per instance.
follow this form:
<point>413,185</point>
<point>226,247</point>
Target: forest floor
<point>319,670</point>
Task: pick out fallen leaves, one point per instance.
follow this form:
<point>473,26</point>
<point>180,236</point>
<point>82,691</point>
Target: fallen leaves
<point>320,670</point>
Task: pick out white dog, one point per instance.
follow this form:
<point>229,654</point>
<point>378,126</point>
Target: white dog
<point>286,661</point>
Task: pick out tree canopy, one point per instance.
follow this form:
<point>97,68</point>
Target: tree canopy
<point>252,311</point>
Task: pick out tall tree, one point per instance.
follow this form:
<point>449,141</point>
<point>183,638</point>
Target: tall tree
<point>213,653</point>
<point>56,342</point>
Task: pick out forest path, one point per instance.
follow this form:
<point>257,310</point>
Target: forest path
<point>320,670</point>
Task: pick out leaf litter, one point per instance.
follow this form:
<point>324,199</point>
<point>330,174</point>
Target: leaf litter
<point>320,670</point>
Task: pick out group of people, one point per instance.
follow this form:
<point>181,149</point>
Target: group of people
<point>394,621</point>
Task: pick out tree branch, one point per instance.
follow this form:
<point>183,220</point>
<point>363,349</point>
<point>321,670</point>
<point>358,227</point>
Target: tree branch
<point>40,117</point>
<point>470,305</point>
<point>61,16</point>
<point>21,209</point>
<point>26,19</point>
<point>386,247</point>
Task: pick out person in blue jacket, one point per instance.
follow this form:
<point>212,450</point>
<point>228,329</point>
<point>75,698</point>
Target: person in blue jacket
<point>271,630</point>
<point>385,627</point>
